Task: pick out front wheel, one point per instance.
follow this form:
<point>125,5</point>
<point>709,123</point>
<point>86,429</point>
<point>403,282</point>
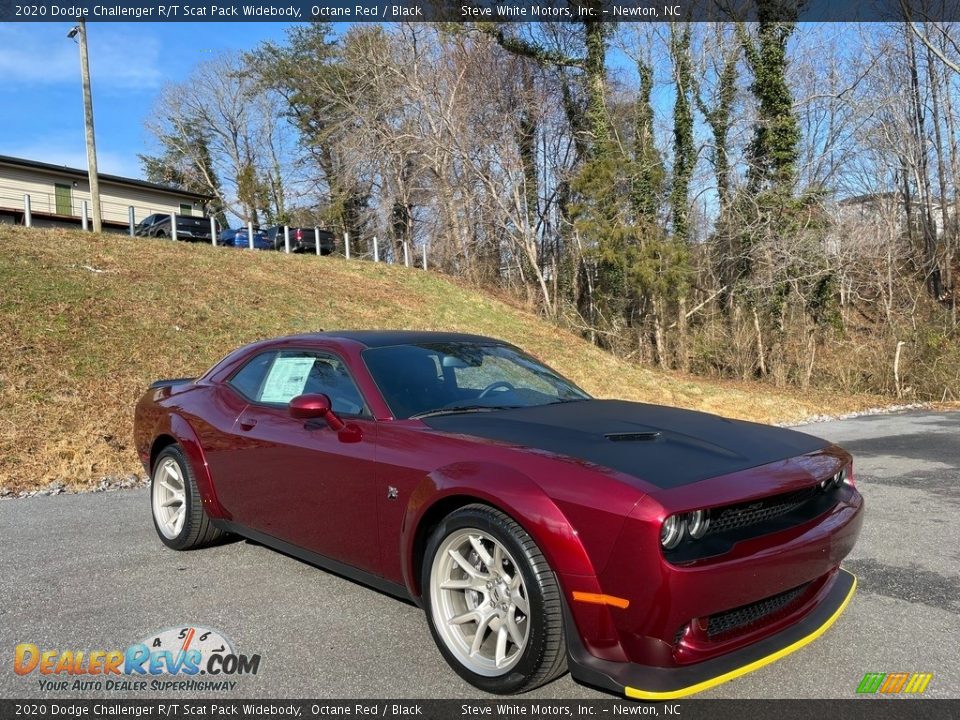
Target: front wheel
<point>178,514</point>
<point>492,602</point>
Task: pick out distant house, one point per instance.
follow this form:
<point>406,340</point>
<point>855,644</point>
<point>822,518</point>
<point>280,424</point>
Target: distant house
<point>877,218</point>
<point>890,207</point>
<point>57,194</point>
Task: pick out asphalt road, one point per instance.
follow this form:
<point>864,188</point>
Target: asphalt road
<point>87,572</point>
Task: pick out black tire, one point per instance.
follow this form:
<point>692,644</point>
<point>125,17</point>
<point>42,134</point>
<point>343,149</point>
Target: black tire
<point>544,657</point>
<point>197,530</point>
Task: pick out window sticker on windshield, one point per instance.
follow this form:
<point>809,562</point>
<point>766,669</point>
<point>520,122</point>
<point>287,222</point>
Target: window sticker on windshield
<point>287,378</point>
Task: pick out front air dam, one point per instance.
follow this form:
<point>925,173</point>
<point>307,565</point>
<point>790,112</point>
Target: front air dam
<point>656,683</point>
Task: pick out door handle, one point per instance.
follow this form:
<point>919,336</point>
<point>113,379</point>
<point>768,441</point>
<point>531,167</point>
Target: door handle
<point>248,424</point>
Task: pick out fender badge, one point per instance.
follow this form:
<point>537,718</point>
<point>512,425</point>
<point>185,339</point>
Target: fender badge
<point>392,493</point>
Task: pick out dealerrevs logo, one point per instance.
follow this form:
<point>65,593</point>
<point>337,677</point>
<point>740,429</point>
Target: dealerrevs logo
<point>187,652</point>
<point>893,683</point>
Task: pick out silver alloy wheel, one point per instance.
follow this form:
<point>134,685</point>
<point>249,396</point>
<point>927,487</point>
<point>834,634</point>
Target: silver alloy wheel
<point>479,602</point>
<point>169,497</point>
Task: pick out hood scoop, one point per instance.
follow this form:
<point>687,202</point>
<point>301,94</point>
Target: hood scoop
<point>632,436</point>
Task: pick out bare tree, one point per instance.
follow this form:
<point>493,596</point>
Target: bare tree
<point>242,160</point>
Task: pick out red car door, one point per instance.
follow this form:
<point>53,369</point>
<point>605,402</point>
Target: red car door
<point>298,480</point>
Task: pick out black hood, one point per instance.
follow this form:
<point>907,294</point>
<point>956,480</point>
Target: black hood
<point>664,446</point>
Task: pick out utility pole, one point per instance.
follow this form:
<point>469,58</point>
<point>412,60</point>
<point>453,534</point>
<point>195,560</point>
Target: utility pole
<point>81,30</point>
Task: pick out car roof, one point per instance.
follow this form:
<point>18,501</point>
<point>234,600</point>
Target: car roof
<point>386,338</point>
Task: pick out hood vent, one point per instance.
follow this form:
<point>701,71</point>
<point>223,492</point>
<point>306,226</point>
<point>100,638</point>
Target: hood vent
<point>632,436</point>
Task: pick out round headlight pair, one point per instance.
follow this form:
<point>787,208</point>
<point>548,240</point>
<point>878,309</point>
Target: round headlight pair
<point>674,527</point>
<point>834,481</point>
<point>840,477</point>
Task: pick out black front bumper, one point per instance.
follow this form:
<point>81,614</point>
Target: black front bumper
<point>657,683</point>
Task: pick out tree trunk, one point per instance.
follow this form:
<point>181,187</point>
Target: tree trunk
<point>761,361</point>
<point>683,356</point>
<point>932,276</point>
<point>658,334</point>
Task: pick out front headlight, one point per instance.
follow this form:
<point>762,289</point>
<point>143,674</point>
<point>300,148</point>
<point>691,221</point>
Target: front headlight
<point>834,481</point>
<point>697,523</point>
<point>672,532</point>
<point>840,477</point>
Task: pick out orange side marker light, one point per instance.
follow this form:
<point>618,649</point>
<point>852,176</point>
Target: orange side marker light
<point>601,599</point>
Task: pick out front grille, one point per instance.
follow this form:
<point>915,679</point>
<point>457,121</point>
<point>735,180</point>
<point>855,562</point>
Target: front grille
<point>743,515</point>
<point>746,615</point>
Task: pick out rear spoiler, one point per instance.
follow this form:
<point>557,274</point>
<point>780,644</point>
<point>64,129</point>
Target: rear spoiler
<point>170,383</point>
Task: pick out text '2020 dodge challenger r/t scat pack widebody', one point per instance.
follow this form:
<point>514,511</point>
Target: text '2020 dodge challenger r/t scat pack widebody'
<point>651,550</point>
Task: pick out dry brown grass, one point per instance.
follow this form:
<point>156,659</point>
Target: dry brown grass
<point>88,321</point>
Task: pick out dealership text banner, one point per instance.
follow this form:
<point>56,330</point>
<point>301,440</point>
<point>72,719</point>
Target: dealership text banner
<point>45,709</point>
<point>482,11</point>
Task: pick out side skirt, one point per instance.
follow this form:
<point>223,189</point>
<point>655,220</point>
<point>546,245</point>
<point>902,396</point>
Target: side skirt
<point>335,566</point>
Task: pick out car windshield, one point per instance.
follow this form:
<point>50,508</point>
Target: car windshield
<point>434,378</point>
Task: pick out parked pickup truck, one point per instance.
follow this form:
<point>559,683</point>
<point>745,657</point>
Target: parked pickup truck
<point>302,240</point>
<point>189,228</point>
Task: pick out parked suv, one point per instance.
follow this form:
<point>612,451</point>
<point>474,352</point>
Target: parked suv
<point>237,238</point>
<point>302,240</point>
<point>189,228</point>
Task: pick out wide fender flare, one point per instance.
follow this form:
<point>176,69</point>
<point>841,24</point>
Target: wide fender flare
<point>183,432</point>
<point>508,490</point>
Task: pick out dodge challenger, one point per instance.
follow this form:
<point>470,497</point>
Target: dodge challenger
<point>650,550</point>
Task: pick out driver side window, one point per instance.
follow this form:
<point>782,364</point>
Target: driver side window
<point>275,378</point>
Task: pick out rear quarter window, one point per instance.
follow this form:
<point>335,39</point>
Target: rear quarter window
<point>275,378</point>
<point>249,379</point>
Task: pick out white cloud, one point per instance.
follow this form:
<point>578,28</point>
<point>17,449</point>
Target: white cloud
<point>121,59</point>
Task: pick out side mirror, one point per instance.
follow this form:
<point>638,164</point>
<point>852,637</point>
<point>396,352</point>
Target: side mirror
<point>312,406</point>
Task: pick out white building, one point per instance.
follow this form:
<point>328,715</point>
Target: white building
<point>57,194</point>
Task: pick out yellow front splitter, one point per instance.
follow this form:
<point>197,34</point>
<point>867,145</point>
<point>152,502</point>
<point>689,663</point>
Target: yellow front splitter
<point>844,579</point>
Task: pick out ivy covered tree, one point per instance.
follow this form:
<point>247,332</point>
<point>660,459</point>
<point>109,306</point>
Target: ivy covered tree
<point>684,150</point>
<point>771,238</point>
<point>774,151</point>
<point>583,69</point>
<point>717,110</point>
<point>648,171</point>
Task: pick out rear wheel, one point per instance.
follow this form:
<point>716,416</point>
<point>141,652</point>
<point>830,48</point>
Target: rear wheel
<point>178,514</point>
<point>492,602</point>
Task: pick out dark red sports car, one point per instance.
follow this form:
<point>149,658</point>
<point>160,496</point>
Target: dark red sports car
<point>650,550</point>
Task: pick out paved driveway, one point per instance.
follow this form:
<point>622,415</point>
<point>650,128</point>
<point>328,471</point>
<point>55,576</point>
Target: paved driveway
<point>87,572</point>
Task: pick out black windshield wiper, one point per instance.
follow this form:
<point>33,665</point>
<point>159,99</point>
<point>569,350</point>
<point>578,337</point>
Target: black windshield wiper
<point>462,409</point>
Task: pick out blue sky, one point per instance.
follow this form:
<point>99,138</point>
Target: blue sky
<point>42,117</point>
<point>129,63</point>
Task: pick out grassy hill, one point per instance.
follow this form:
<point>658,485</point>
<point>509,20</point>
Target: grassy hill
<point>88,321</point>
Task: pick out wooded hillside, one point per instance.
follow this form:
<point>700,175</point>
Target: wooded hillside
<point>91,320</point>
<point>765,200</point>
